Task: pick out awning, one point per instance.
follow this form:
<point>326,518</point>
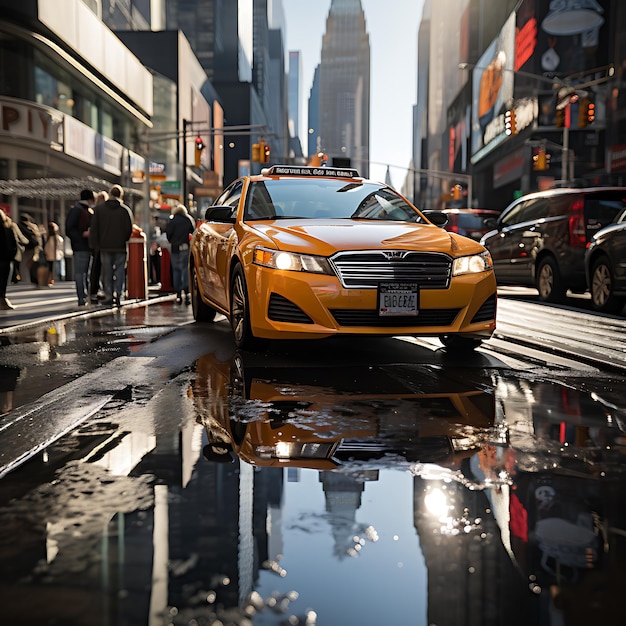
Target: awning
<point>59,188</point>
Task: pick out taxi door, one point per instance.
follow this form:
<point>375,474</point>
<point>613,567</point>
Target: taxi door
<point>218,238</point>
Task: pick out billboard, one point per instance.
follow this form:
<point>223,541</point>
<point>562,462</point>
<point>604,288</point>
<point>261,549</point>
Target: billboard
<point>492,91</point>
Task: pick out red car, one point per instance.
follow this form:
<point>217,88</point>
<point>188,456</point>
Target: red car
<point>469,222</point>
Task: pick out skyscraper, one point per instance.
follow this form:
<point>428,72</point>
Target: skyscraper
<point>344,97</point>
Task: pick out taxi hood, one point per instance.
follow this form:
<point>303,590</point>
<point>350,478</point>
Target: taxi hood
<point>325,237</point>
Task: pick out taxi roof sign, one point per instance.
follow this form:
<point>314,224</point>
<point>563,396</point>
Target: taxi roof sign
<point>307,170</point>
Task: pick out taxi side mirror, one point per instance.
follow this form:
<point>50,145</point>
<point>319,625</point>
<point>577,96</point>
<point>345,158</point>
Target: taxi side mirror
<point>491,223</point>
<point>438,218</point>
<point>223,214</point>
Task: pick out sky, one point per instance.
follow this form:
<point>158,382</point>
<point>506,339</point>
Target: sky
<point>393,74</point>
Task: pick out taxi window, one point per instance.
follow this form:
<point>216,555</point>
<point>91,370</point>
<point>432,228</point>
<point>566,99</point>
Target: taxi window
<point>231,196</point>
<point>324,198</point>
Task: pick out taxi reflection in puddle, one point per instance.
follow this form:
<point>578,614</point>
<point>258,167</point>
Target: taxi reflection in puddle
<point>320,418</point>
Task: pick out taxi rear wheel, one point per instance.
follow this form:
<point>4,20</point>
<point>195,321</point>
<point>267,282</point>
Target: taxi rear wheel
<point>201,312</point>
<point>240,313</point>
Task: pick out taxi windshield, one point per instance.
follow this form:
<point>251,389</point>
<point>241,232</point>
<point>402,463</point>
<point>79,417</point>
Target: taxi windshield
<point>326,199</point>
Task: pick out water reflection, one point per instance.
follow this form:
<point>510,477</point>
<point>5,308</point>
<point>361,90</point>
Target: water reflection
<point>521,469</point>
<point>262,490</point>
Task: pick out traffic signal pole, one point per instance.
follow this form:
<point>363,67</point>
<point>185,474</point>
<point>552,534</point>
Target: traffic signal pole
<point>183,178</point>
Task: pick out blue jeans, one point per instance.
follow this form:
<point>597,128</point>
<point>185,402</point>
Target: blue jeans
<point>82,259</point>
<point>113,273</point>
<point>180,272</point>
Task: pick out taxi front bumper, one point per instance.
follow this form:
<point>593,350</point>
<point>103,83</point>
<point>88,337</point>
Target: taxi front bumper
<point>299,305</point>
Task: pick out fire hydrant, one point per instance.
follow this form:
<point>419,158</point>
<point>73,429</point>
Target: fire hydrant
<point>137,266</point>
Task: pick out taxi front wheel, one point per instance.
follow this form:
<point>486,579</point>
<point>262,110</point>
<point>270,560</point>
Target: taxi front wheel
<point>240,313</point>
<point>459,343</point>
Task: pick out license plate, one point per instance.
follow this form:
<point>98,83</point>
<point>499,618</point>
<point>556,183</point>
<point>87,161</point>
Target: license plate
<point>398,299</point>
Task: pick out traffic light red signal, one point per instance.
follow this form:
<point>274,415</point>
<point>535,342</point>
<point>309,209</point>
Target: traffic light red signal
<point>540,159</point>
<point>198,151</point>
<point>586,112</point>
<point>260,152</point>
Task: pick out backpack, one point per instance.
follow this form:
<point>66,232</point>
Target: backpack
<point>8,249</point>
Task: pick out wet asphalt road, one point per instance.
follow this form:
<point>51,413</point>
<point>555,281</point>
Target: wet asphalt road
<point>171,479</point>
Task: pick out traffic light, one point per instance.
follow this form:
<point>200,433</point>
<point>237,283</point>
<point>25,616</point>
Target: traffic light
<point>198,150</point>
<point>540,159</point>
<point>256,152</point>
<point>586,112</point>
<point>510,123</point>
<point>559,118</point>
<point>265,155</point>
<point>591,112</point>
<point>457,192</point>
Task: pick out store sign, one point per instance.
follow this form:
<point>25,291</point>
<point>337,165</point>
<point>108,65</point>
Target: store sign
<point>171,188</point>
<point>31,121</point>
<point>617,158</point>
<point>109,157</point>
<point>84,143</point>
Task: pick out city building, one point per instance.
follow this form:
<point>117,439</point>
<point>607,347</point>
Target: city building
<point>532,99</point>
<point>344,86</point>
<point>241,47</point>
<point>75,105</point>
<point>185,126</point>
<point>313,130</point>
<point>294,101</point>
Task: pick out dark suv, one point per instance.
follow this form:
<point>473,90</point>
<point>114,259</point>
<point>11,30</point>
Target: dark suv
<point>540,239</point>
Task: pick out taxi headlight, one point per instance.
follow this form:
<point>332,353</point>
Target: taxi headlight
<point>472,264</point>
<point>291,261</point>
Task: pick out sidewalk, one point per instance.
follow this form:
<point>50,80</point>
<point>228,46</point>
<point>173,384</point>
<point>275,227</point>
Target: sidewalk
<point>37,305</point>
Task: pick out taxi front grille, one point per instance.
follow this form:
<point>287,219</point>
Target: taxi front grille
<point>365,270</point>
<point>426,317</point>
<point>282,310</point>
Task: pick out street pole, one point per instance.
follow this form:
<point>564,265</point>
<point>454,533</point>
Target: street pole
<point>183,179</point>
<point>565,157</point>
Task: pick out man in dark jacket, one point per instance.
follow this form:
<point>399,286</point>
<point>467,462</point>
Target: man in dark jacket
<point>77,229</point>
<point>111,228</point>
<point>178,231</point>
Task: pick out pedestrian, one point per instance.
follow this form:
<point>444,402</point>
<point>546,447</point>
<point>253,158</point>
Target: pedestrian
<point>111,228</point>
<point>53,252</point>
<point>77,227</point>
<point>96,264</point>
<point>33,249</point>
<point>10,237</point>
<point>178,231</point>
<point>22,242</point>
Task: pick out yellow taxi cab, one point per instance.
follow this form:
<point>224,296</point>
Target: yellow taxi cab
<point>303,252</point>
